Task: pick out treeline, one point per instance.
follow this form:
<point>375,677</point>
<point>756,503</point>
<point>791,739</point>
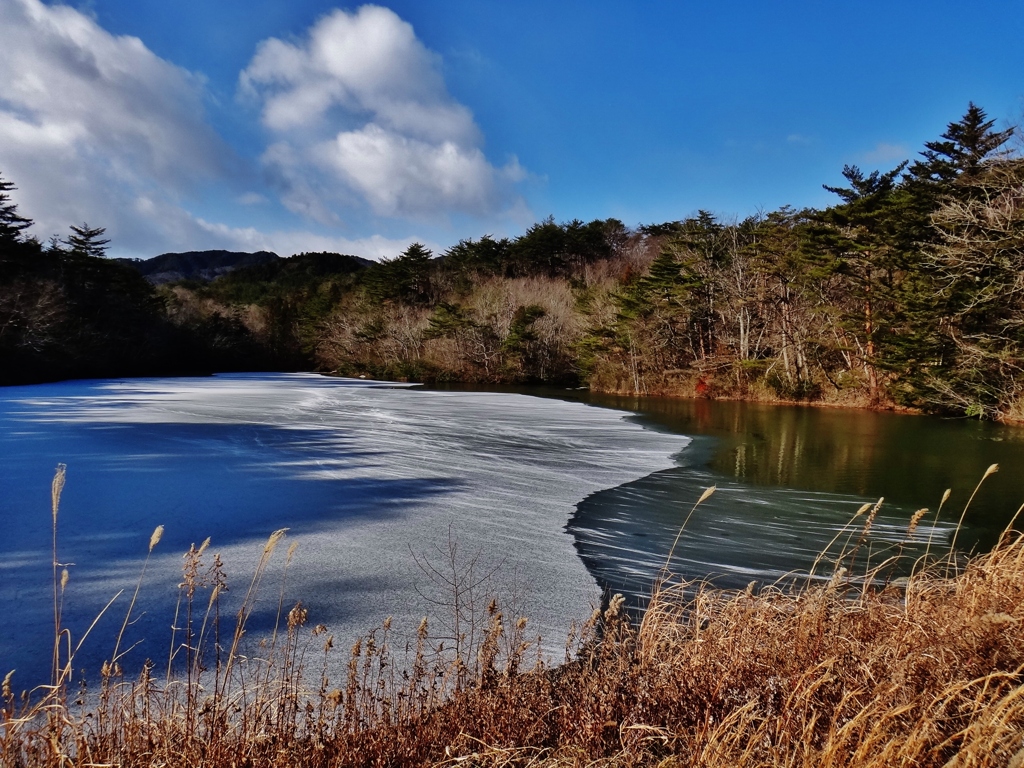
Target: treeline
<point>906,292</point>
<point>66,311</point>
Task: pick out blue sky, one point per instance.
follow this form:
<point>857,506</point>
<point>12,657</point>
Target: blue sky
<point>308,125</point>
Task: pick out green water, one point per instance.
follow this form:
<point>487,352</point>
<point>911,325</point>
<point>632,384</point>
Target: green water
<point>789,480</point>
<point>910,460</point>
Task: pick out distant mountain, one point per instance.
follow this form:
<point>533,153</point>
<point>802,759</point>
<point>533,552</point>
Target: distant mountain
<point>197,265</point>
<point>300,268</point>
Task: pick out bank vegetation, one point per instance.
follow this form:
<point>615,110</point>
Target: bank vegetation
<point>906,293</point>
<point>852,668</point>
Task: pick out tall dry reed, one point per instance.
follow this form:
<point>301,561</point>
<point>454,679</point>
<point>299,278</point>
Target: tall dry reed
<point>850,670</point>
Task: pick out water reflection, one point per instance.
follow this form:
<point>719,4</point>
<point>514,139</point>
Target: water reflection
<point>789,478</point>
<point>910,460</point>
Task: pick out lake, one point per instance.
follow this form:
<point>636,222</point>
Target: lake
<point>788,478</point>
<point>552,498</point>
<point>376,483</point>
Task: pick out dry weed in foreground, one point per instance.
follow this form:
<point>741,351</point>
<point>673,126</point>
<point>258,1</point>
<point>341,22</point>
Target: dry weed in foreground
<point>924,671</point>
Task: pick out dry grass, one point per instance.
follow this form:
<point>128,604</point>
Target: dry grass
<point>867,671</point>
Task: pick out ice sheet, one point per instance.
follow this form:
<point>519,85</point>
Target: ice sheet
<point>365,475</point>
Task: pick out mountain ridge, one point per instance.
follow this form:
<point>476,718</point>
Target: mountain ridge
<point>196,265</point>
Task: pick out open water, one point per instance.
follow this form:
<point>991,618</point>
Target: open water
<point>552,498</point>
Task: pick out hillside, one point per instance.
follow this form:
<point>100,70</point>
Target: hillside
<point>196,265</point>
<point>905,293</point>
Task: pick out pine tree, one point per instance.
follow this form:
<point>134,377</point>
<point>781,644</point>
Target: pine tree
<point>11,224</point>
<point>782,272</point>
<point>542,249</point>
<point>87,241</point>
<point>977,268</point>
<point>403,278</point>
<point>962,150</point>
<point>955,175</point>
<point>863,240</point>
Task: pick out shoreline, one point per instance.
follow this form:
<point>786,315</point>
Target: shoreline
<point>477,386</point>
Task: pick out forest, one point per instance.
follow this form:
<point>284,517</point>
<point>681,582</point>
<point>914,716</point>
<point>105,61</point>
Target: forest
<point>907,292</point>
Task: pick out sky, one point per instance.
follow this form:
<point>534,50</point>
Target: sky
<point>307,125</point>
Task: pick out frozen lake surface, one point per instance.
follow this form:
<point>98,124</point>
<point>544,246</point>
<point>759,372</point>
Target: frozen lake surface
<point>368,477</point>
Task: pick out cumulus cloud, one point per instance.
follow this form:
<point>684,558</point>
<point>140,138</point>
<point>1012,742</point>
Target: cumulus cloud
<point>360,112</point>
<point>95,127</point>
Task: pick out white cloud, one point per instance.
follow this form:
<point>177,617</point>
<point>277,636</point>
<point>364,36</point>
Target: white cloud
<point>397,173</point>
<point>290,242</point>
<point>175,229</point>
<point>360,111</point>
<point>252,198</point>
<point>885,153</point>
<point>95,127</point>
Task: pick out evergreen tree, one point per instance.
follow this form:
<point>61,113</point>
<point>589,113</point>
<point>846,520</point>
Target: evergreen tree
<point>862,240</point>
<point>541,250</point>
<point>449,321</point>
<point>519,344</point>
<point>978,310</point>
<point>486,256</point>
<point>403,278</point>
<point>88,241</point>
<point>962,150</point>
<point>703,251</point>
<point>953,174</point>
<point>651,326</point>
<point>11,224</point>
<point>783,273</point>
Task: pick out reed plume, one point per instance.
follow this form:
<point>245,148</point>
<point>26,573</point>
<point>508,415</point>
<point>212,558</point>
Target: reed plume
<point>924,671</point>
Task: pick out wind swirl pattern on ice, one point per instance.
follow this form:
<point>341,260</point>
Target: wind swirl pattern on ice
<point>364,475</point>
